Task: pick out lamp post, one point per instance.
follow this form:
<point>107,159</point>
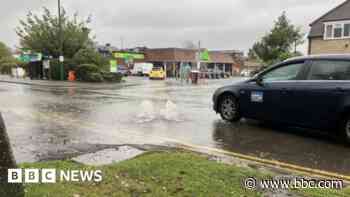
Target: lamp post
<point>60,41</point>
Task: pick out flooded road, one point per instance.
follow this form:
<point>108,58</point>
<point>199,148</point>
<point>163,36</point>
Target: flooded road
<point>43,121</point>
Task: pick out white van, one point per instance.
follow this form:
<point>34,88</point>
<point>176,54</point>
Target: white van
<point>143,69</point>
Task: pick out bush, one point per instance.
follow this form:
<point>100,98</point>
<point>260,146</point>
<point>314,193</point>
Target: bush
<point>85,69</point>
<point>88,72</point>
<point>93,77</point>
<point>89,56</point>
<point>112,77</point>
<point>7,63</point>
<point>84,72</point>
<point>6,68</point>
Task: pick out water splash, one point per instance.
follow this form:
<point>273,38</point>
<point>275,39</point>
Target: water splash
<point>147,112</point>
<point>170,112</point>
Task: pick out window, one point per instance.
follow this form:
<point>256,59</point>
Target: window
<point>288,72</point>
<point>330,70</point>
<point>346,30</point>
<point>329,31</point>
<point>337,30</point>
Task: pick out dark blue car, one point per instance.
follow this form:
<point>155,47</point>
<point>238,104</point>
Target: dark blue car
<point>312,91</point>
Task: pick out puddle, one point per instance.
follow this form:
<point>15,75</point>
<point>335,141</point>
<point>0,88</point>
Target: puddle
<point>108,156</point>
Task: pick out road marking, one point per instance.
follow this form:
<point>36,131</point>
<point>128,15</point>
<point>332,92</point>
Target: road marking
<point>268,163</point>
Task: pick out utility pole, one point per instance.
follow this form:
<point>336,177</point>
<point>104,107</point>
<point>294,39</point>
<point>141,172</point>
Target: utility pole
<point>199,56</point>
<point>61,58</point>
<point>122,42</point>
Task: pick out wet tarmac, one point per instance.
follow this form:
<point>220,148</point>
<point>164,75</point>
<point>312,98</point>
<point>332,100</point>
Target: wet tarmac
<point>46,121</point>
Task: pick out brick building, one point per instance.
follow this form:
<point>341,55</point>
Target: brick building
<point>229,61</point>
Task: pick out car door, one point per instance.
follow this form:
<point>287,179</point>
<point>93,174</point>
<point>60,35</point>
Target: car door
<point>265,100</point>
<point>322,92</point>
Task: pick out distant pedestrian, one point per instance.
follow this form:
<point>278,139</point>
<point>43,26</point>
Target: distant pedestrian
<point>46,65</point>
<point>187,71</point>
<point>182,72</point>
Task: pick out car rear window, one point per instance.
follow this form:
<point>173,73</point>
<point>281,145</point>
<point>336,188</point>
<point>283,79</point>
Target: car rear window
<point>329,70</point>
<point>157,69</point>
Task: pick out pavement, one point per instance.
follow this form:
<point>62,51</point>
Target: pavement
<point>61,84</point>
<point>46,120</point>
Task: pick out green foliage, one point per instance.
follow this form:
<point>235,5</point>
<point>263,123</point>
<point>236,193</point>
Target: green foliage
<point>152,174</point>
<point>42,34</point>
<point>278,44</point>
<point>94,77</point>
<point>164,174</point>
<point>4,50</point>
<point>93,73</point>
<point>112,77</point>
<point>89,73</point>
<point>9,62</point>
<point>89,56</point>
<point>7,67</point>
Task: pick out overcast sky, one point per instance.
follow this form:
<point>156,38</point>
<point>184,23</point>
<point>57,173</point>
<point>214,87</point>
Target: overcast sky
<point>219,24</point>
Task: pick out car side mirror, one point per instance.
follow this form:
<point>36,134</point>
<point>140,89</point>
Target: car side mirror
<point>259,81</point>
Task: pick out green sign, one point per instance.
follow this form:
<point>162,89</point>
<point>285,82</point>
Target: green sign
<point>114,66</point>
<point>125,55</point>
<point>205,55</point>
<point>35,57</point>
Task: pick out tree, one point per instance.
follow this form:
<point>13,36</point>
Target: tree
<point>89,56</point>
<point>280,43</point>
<point>7,61</point>
<point>41,34</point>
<point>4,51</point>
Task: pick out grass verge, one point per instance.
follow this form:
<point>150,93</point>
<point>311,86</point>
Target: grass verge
<point>158,174</point>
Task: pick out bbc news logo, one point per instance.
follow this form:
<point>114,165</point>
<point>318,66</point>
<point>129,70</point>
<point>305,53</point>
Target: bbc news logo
<point>52,176</point>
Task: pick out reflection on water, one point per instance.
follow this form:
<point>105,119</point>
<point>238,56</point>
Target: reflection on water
<point>291,145</point>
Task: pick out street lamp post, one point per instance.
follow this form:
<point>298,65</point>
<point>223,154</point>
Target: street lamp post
<point>60,41</point>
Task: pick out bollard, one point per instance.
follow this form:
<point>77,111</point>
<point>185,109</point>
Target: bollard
<point>7,161</point>
<point>195,77</point>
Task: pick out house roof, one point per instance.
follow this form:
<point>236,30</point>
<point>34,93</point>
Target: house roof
<point>341,12</point>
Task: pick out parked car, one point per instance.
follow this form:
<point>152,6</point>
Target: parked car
<point>245,73</point>
<point>157,73</point>
<point>311,91</point>
<point>142,69</point>
<point>137,70</point>
<point>123,70</point>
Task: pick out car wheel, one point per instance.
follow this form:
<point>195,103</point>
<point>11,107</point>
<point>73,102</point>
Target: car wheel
<point>229,108</point>
<point>345,130</point>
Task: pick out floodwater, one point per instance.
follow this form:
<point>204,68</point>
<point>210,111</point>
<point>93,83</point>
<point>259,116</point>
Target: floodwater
<point>45,121</point>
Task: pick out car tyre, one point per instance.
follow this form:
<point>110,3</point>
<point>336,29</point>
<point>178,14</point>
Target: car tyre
<point>345,129</point>
<point>228,107</point>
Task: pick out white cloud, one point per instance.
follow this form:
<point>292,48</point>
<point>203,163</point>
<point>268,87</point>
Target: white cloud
<point>220,24</point>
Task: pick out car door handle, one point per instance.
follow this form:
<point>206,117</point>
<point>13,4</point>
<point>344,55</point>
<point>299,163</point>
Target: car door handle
<point>285,91</point>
